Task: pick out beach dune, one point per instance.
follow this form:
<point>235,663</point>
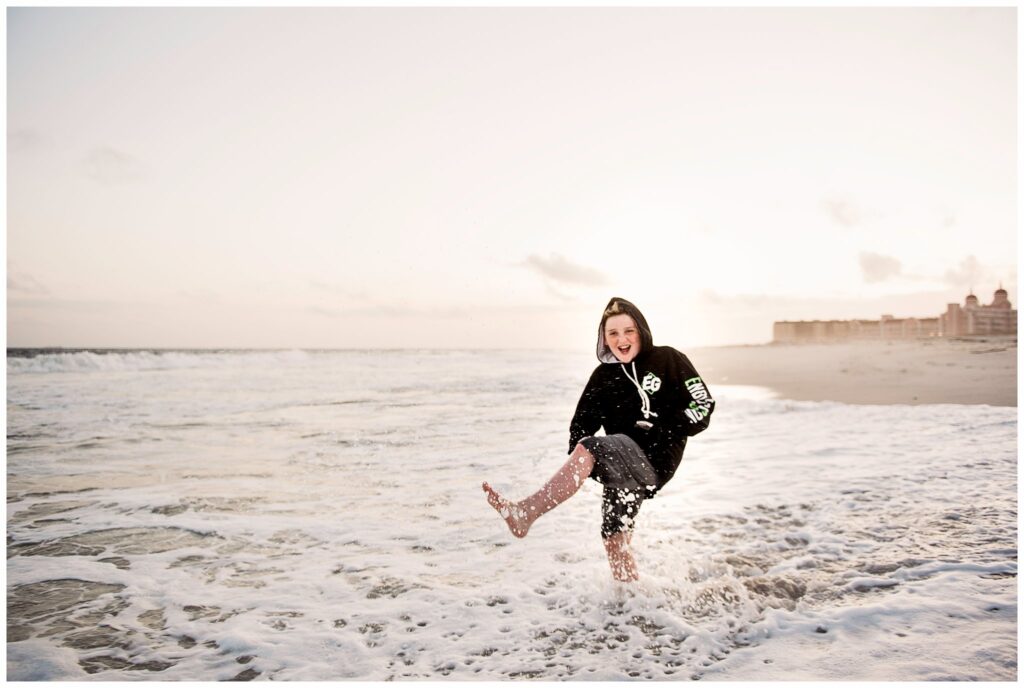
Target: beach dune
<point>923,371</point>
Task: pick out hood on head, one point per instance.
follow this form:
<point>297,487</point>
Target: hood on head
<point>618,306</point>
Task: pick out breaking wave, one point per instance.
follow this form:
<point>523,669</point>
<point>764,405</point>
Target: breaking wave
<point>106,360</point>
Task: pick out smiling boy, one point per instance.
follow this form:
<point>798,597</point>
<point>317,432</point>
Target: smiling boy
<point>648,399</point>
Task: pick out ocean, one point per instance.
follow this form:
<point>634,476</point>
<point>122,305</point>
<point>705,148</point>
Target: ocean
<point>317,515</point>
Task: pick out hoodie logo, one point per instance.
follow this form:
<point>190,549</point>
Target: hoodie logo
<point>651,383</point>
<point>700,407</point>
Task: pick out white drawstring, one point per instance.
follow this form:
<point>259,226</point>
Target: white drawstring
<point>645,404</point>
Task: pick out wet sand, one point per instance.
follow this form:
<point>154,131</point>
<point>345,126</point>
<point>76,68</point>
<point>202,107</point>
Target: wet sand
<point>929,371</point>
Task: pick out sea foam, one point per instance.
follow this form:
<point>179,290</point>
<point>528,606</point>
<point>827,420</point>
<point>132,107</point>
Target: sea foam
<point>107,360</point>
<point>318,516</point>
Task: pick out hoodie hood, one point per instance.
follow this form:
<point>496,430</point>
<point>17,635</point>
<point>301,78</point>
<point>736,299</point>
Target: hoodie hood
<point>618,306</point>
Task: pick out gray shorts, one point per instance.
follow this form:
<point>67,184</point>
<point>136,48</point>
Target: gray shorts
<point>622,467</point>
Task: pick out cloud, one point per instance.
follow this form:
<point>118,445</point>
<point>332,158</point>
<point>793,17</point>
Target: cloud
<point>560,295</point>
<point>879,268</point>
<point>77,306</point>
<point>107,165</point>
<point>556,267</point>
<point>967,274</point>
<point>844,211</point>
<point>24,283</point>
<point>23,139</point>
<point>338,290</point>
<point>847,212</point>
<point>331,312</point>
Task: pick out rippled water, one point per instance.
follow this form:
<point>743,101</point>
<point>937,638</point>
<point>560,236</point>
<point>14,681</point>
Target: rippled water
<point>294,515</point>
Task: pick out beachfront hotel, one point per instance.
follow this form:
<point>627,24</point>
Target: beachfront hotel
<point>998,317</point>
<point>970,319</point>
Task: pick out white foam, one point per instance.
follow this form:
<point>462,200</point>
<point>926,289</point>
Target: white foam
<point>93,361</point>
<point>39,660</point>
<point>348,536</point>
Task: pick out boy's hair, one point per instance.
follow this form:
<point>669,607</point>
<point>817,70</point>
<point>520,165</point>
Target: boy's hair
<point>614,308</point>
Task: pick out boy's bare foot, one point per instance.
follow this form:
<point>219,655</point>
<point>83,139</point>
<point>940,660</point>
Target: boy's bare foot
<point>514,516</point>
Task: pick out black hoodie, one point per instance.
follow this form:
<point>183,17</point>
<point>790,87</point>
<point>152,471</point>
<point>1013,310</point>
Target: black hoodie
<point>666,403</point>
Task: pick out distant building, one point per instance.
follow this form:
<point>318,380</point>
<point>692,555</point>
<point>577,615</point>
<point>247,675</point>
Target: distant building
<point>999,317</point>
<point>970,319</point>
<point>831,330</point>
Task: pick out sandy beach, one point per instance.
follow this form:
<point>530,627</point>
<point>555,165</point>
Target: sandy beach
<point>928,371</point>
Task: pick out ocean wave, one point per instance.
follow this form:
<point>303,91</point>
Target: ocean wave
<point>89,361</point>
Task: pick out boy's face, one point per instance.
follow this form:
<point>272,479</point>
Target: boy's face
<point>622,337</point>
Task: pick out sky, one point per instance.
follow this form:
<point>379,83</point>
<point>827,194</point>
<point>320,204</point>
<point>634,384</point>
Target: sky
<point>489,177</point>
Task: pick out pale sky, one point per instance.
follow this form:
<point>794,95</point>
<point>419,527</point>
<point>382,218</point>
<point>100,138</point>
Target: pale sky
<point>416,177</point>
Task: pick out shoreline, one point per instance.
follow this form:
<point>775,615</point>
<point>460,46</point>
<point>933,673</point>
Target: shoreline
<point>918,371</point>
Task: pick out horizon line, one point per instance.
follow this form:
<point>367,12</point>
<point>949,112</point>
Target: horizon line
<point>320,348</point>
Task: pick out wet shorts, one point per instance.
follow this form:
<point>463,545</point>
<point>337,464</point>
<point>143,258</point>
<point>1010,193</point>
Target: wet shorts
<point>622,467</point>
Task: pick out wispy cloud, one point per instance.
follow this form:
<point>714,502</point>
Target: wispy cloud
<point>968,274</point>
<point>338,290</point>
<point>77,306</point>
<point>553,290</point>
<point>25,284</point>
<point>335,312</point>
<point>879,268</point>
<point>556,267</point>
<point>843,211</point>
<point>108,165</point>
<point>849,212</point>
<point>23,139</point>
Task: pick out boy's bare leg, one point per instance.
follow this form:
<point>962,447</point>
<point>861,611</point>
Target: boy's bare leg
<point>563,484</point>
<point>620,557</point>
